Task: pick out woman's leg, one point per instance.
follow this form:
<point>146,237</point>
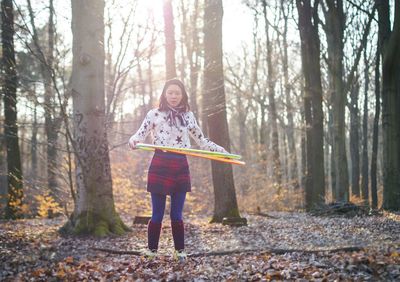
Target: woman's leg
<point>154,226</point>
<point>178,231</point>
<point>158,207</point>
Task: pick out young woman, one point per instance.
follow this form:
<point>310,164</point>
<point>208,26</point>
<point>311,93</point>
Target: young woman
<point>171,124</point>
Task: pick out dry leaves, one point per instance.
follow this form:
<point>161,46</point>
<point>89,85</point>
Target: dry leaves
<point>32,250</point>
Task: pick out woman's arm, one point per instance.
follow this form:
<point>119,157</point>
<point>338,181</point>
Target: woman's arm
<point>198,136</point>
<point>143,130</point>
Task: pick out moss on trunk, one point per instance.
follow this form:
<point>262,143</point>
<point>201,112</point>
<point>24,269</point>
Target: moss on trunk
<point>232,213</point>
<point>97,224</point>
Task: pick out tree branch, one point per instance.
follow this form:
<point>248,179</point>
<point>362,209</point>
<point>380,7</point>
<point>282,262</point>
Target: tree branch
<point>240,251</point>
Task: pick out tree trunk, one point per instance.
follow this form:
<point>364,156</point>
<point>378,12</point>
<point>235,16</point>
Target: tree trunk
<point>390,104</point>
<point>242,116</point>
<point>263,132</point>
<point>355,140</point>
<point>34,147</point>
<point>364,164</point>
<point>194,58</point>
<point>272,105</point>
<point>310,50</point>
<point>222,175</point>
<point>375,138</point>
<point>335,21</point>
<point>169,40</point>
<point>303,142</point>
<point>332,155</point>
<point>14,170</point>
<point>150,69</point>
<point>190,35</point>
<point>51,127</point>
<point>289,107</point>
<point>94,211</point>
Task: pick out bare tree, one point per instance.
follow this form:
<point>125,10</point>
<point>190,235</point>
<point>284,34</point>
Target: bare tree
<point>310,50</point>
<point>272,103</point>
<point>390,50</point>
<point>94,211</point>
<point>169,31</point>
<point>364,163</point>
<point>214,92</point>
<point>9,93</point>
<point>286,9</point>
<point>190,31</point>
<point>375,136</point>
<point>335,23</point>
<point>355,138</point>
<point>52,118</point>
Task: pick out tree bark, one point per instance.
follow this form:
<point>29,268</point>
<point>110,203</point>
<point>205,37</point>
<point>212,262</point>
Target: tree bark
<point>310,50</point>
<point>222,175</point>
<point>14,171</point>
<point>34,147</point>
<point>375,137</point>
<point>289,107</point>
<point>52,124</point>
<point>335,21</point>
<point>169,40</point>
<point>364,163</point>
<point>355,139</point>
<point>94,211</point>
<point>192,43</point>
<point>390,104</point>
<point>332,154</point>
<point>277,169</point>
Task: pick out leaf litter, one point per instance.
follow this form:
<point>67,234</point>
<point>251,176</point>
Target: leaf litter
<point>287,246</point>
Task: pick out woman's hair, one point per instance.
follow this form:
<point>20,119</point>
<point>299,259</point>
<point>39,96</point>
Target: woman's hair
<point>163,99</point>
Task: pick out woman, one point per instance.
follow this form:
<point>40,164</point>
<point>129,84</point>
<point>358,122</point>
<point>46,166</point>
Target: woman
<point>171,124</point>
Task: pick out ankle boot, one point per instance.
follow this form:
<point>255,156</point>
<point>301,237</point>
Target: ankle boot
<point>178,233</point>
<point>153,235</point>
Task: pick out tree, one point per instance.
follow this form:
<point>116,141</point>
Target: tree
<point>355,139</point>
<point>286,10</point>
<point>169,40</point>
<point>335,23</point>
<point>272,103</point>
<point>52,120</point>
<point>390,50</point>
<point>94,211</point>
<point>339,86</point>
<point>310,50</point>
<point>375,136</point>
<point>190,31</point>
<point>9,92</point>
<point>364,166</point>
<point>214,93</point>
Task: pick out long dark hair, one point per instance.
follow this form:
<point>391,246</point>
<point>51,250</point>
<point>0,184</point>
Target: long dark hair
<point>184,104</point>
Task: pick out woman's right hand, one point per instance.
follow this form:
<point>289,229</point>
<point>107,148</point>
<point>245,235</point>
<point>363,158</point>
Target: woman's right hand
<point>132,144</point>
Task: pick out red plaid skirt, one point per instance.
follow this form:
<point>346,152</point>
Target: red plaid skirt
<point>168,174</point>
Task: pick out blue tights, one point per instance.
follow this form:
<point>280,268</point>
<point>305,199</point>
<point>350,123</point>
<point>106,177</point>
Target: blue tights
<point>158,206</point>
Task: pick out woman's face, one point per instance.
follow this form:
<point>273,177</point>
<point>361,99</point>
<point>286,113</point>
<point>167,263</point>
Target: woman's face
<point>173,95</point>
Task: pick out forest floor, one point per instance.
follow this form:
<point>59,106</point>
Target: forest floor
<point>287,246</point>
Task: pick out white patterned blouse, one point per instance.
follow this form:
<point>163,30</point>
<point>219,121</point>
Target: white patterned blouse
<point>167,134</point>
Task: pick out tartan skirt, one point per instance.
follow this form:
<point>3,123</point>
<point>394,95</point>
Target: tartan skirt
<point>168,174</point>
